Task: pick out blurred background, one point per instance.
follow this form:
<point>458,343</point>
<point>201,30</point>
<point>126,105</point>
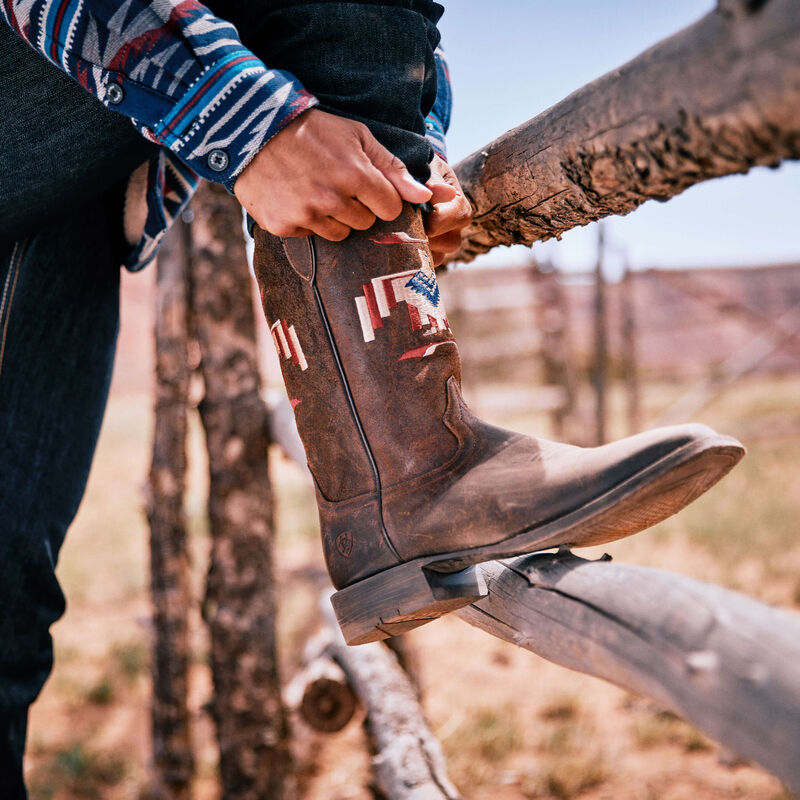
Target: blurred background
<point>684,310</point>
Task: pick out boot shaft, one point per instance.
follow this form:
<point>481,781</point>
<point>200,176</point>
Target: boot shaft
<point>366,352</point>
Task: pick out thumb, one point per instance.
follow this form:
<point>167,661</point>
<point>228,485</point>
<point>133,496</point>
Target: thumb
<point>441,190</point>
<point>395,171</point>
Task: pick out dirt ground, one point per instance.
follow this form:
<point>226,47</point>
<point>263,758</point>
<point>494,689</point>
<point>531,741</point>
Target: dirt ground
<point>512,726</point>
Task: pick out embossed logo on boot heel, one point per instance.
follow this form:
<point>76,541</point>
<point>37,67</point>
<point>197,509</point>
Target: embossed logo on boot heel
<point>344,544</point>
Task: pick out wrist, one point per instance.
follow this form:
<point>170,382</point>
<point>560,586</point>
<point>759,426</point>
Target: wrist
<point>228,114</point>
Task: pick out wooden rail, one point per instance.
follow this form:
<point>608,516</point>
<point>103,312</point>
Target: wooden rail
<point>726,662</point>
<point>717,98</point>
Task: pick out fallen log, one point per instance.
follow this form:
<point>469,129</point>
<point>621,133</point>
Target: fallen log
<point>727,663</point>
<point>320,693</point>
<point>408,762</point>
<point>717,98</point>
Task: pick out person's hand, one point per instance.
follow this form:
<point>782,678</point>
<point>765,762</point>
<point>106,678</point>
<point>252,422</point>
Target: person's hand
<point>452,211</point>
<point>325,174</point>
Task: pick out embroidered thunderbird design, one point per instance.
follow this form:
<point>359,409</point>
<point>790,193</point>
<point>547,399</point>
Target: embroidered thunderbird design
<point>418,290</point>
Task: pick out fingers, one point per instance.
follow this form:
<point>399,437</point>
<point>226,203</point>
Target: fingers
<point>395,171</point>
<point>442,182</point>
<point>452,212</point>
<point>355,215</point>
<point>325,227</point>
<point>378,195</point>
<point>445,245</point>
<point>327,175</point>
<point>451,216</point>
<point>331,229</point>
<point>442,192</point>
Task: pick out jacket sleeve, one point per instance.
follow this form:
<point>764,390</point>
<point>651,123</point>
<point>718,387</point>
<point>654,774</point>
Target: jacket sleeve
<point>180,73</point>
<point>437,123</point>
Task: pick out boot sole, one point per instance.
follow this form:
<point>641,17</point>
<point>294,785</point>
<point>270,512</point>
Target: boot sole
<point>404,597</point>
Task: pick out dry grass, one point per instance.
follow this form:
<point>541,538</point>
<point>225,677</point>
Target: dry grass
<point>566,778</point>
<point>481,744</point>
<point>664,728</point>
<point>561,709</point>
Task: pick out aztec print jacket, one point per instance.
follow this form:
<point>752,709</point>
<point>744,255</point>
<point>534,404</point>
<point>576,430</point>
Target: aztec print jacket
<point>186,81</point>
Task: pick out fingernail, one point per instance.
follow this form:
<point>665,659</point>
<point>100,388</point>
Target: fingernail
<point>411,180</point>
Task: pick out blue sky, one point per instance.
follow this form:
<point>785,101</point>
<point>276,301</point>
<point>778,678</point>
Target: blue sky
<point>512,59</point>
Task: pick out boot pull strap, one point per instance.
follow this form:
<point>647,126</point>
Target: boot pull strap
<point>301,256</point>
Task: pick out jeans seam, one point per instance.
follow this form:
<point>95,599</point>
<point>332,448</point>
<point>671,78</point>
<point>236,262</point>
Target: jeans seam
<point>9,289</point>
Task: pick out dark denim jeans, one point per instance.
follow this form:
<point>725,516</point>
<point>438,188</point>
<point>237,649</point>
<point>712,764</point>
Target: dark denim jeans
<point>61,159</point>
<point>58,327</point>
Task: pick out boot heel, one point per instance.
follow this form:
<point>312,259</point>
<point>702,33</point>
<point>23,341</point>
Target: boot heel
<point>402,598</point>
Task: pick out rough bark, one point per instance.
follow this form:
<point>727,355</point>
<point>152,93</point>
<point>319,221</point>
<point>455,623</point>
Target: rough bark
<point>717,98</point>
<point>408,761</point>
<point>239,604</point>
<point>722,660</point>
<point>169,561</point>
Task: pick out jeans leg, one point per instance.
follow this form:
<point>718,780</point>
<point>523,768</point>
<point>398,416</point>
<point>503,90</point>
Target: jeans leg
<point>59,314</point>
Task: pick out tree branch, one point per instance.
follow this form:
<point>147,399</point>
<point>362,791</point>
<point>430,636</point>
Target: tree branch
<point>717,98</point>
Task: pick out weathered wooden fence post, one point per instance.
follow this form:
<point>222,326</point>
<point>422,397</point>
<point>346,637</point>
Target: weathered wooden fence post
<point>169,561</point>
<point>722,660</point>
<point>552,318</point>
<point>239,607</point>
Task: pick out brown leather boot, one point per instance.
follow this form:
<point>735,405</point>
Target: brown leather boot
<point>412,488</point>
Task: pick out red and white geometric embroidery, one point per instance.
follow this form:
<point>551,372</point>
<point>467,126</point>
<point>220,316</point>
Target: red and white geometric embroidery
<point>287,344</point>
<point>401,237</point>
<point>425,350</point>
<point>417,288</point>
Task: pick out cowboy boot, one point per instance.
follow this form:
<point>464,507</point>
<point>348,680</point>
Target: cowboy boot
<point>413,489</point>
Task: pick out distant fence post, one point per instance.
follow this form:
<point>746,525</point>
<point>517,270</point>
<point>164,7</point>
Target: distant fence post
<point>600,365</point>
<point>630,366</point>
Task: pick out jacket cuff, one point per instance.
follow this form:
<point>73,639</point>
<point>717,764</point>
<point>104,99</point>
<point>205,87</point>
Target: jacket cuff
<point>434,133</point>
<point>227,115</point>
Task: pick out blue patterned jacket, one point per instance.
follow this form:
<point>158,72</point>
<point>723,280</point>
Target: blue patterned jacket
<point>187,83</point>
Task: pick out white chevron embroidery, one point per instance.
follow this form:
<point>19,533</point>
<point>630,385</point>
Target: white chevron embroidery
<point>209,48</point>
<point>71,33</point>
<point>206,24</point>
<point>162,8</point>
<point>140,70</point>
<point>179,73</point>
<point>267,116</point>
